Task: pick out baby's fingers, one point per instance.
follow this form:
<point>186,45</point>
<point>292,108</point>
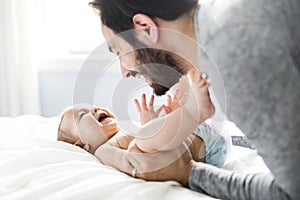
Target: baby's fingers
<point>176,93</point>
<point>175,98</point>
<point>160,109</point>
<point>144,102</point>
<point>167,109</point>
<point>169,100</point>
<point>183,99</point>
<point>151,102</point>
<point>138,106</point>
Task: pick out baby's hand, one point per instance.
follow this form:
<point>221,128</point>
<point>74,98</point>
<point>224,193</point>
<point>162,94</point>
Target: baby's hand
<point>174,103</point>
<point>147,112</point>
<point>132,147</point>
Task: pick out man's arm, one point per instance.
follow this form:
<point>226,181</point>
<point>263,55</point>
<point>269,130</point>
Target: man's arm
<point>225,184</point>
<point>216,182</point>
<point>254,45</point>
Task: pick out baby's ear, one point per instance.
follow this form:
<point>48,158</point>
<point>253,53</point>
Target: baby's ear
<point>86,147</point>
<point>80,144</point>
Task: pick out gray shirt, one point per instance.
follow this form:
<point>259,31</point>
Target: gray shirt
<point>250,49</point>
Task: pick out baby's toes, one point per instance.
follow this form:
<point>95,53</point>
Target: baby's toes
<point>193,76</point>
<point>202,82</point>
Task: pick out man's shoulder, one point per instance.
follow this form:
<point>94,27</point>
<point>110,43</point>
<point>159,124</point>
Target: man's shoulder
<point>231,18</point>
<point>229,12</point>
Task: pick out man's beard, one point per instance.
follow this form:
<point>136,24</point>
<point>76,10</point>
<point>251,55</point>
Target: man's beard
<point>161,68</point>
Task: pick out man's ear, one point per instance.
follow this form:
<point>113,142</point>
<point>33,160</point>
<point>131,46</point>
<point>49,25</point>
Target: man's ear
<point>146,29</point>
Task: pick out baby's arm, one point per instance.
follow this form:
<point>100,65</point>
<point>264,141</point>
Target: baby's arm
<point>170,131</point>
<point>109,153</point>
<point>121,140</point>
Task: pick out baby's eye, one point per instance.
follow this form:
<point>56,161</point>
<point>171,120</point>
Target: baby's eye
<point>81,115</point>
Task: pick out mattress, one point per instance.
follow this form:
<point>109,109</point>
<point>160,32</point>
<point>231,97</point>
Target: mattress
<point>33,165</point>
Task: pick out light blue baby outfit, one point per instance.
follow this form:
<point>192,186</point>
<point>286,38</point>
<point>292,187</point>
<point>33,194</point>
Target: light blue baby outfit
<point>216,147</point>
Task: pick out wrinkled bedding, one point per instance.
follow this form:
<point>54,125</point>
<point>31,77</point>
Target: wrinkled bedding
<point>33,165</point>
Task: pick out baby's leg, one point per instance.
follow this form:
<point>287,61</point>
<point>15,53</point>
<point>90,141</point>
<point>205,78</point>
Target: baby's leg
<point>199,98</point>
<point>170,131</point>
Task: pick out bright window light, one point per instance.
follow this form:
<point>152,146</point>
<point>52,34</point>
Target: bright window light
<point>68,28</point>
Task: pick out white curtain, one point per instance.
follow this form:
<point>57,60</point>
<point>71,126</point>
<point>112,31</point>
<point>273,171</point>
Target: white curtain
<point>18,75</point>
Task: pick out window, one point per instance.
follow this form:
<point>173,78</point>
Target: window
<point>68,28</point>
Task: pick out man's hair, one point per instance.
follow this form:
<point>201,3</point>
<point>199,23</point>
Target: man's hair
<point>118,14</point>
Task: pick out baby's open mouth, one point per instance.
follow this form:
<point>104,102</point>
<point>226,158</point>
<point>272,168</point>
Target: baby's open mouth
<point>102,116</point>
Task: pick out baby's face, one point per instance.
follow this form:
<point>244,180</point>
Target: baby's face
<point>94,125</point>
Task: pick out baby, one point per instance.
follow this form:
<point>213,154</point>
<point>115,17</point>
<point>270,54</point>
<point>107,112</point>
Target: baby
<point>89,127</point>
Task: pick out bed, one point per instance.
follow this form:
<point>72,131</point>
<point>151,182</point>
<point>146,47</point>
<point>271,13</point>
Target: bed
<point>33,165</point>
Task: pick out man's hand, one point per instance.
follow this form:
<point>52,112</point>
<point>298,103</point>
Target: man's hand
<point>147,112</point>
<point>163,166</point>
<point>114,156</point>
<point>159,166</point>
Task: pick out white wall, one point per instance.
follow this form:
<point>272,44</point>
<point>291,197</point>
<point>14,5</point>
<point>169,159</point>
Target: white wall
<point>58,85</point>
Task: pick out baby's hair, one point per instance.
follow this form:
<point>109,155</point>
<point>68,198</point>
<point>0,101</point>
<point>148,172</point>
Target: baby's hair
<point>60,131</point>
<point>64,135</point>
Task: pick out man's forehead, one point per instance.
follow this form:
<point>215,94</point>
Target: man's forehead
<point>112,44</point>
<point>115,41</point>
<point>109,36</point>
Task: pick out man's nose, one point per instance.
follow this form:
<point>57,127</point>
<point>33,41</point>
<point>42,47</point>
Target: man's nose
<point>125,72</point>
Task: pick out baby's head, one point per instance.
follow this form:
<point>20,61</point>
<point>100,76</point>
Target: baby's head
<point>87,126</point>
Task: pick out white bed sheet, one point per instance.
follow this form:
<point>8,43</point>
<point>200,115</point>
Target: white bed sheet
<point>33,165</point>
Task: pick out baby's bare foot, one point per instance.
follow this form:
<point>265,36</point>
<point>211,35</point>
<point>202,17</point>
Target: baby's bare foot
<point>200,89</point>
